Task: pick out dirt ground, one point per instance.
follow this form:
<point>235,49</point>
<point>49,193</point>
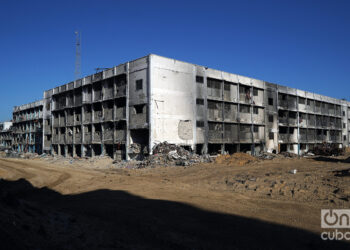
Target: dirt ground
<point>222,205</point>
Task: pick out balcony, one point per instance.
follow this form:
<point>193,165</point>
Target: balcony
<point>302,137</point>
<point>317,109</point>
<point>283,137</point>
<point>69,139</point>
<point>283,104</point>
<point>108,94</point>
<point>215,136</point>
<point>321,138</point>
<point>311,122</point>
<point>62,122</point>
<point>293,138</point>
<point>311,137</point>
<point>98,116</point>
<point>120,113</point>
<point>283,120</point>
<point>120,91</point>
<point>87,118</point>
<point>70,120</point>
<point>119,136</point>
<point>108,135</point>
<point>96,138</point>
<point>87,97</point>
<point>62,139</point>
<point>55,122</point>
<point>98,96</point>
<point>245,136</point>
<point>138,120</point>
<point>77,138</point>
<point>258,137</point>
<point>215,114</point>
<point>87,138</point>
<point>55,139</point>
<point>77,120</point>
<point>108,114</point>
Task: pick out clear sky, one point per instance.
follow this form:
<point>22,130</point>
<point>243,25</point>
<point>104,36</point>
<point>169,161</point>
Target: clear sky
<point>302,44</point>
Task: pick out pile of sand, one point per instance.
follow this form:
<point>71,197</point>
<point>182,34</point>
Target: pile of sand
<point>235,159</point>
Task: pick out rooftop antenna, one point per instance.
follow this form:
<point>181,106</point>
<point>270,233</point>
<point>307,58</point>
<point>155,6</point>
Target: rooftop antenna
<point>77,72</point>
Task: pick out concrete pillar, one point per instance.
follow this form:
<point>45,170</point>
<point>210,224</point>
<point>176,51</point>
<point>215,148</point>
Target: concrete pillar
<point>92,151</point>
<point>74,151</point>
<point>83,151</point>
<point>103,149</point>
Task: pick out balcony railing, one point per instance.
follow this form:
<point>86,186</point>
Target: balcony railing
<point>283,137</point>
<point>108,114</point>
<point>120,136</point>
<point>96,137</point>
<point>69,139</point>
<point>77,139</point>
<point>120,113</point>
<point>87,138</point>
<point>108,135</point>
<point>62,139</point>
<point>87,118</point>
<point>98,116</point>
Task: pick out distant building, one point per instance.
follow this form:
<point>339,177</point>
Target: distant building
<point>5,135</point>
<point>28,127</point>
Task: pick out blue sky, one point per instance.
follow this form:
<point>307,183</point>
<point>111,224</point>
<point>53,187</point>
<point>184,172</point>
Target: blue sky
<point>302,44</point>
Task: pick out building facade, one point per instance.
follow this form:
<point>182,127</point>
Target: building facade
<point>155,99</point>
<point>28,127</point>
<point>5,135</point>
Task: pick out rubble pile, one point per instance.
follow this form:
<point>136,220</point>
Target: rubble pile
<point>167,154</point>
<point>288,155</point>
<point>235,159</point>
<point>13,154</point>
<point>327,149</point>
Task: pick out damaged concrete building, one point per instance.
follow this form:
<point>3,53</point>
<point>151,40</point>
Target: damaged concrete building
<point>28,127</point>
<point>155,99</point>
<point>6,135</point>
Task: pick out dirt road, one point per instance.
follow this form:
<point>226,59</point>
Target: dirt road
<point>207,206</point>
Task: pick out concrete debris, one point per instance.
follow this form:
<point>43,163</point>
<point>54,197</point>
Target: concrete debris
<point>167,154</point>
<point>135,148</point>
<point>288,155</point>
<point>327,149</point>
<point>293,171</point>
<point>270,156</point>
<point>266,156</point>
<point>235,159</point>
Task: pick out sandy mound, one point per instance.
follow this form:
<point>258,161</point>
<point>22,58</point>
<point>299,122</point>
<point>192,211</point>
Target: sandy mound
<point>235,159</point>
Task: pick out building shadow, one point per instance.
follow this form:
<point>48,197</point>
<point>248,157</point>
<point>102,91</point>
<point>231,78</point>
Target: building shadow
<point>327,159</point>
<point>40,218</point>
<point>331,159</point>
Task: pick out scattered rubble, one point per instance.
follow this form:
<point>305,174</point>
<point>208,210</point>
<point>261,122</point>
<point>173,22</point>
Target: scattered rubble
<point>167,154</point>
<point>327,149</point>
<point>235,159</point>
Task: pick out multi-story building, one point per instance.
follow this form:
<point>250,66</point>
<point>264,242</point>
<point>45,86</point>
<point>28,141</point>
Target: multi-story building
<point>27,127</point>
<point>5,135</point>
<point>155,99</point>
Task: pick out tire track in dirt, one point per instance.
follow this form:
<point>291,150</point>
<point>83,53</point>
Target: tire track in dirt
<point>10,168</point>
<point>18,167</point>
<point>62,178</point>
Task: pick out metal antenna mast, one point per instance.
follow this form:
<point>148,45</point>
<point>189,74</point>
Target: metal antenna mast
<point>77,73</point>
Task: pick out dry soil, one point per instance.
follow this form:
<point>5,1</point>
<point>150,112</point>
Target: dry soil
<point>235,202</point>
